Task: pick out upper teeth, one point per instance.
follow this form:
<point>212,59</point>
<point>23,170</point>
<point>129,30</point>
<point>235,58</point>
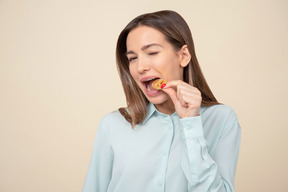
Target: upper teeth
<point>149,79</point>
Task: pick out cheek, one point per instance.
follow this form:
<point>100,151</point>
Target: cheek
<point>132,72</point>
<point>172,69</point>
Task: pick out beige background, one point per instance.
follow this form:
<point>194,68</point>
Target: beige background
<point>58,78</point>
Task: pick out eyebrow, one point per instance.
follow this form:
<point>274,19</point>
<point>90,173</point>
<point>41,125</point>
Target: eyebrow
<point>144,48</point>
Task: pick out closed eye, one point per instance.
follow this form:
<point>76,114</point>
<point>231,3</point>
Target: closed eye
<point>131,59</point>
<point>153,53</point>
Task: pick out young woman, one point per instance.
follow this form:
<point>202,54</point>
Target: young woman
<point>175,139</point>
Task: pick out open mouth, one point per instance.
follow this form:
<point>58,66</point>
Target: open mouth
<point>148,84</point>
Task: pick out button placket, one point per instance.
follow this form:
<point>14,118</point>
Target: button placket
<point>166,150</point>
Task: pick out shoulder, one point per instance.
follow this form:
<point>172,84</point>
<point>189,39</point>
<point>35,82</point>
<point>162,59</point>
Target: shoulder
<point>216,108</point>
<point>219,111</point>
<point>220,116</point>
<point>113,121</point>
<point>113,118</point>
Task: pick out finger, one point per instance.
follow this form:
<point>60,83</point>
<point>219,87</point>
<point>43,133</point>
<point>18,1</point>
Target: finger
<point>185,88</point>
<point>190,100</point>
<point>188,96</point>
<point>189,91</point>
<point>178,85</point>
<point>172,94</point>
<point>182,93</point>
<point>173,84</point>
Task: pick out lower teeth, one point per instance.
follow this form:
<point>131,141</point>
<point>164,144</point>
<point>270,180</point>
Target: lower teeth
<point>149,89</point>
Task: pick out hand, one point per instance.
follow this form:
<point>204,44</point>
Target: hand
<point>186,98</point>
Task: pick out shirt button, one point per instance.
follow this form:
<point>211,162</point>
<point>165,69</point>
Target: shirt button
<point>159,184</point>
<point>164,154</point>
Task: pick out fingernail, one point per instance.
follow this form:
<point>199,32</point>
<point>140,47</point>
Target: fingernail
<point>162,86</point>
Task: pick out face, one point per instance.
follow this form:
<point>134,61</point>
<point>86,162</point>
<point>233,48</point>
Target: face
<point>150,57</point>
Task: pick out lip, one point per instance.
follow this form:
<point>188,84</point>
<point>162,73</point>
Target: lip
<point>147,77</point>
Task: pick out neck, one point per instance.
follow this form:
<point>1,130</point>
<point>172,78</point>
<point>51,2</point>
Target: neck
<point>167,107</point>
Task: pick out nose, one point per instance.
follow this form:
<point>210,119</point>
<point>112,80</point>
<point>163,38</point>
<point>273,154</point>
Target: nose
<point>143,65</point>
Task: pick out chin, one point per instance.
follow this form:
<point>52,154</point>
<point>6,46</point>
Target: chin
<point>158,100</point>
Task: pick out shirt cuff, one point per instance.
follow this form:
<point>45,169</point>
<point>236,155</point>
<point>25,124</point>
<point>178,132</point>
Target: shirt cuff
<point>191,127</point>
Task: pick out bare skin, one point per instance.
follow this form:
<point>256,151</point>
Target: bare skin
<point>151,56</point>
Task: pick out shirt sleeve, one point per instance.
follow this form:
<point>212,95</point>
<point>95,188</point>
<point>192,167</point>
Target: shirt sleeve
<point>100,168</point>
<point>202,172</point>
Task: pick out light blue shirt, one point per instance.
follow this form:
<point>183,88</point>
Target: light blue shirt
<point>165,153</point>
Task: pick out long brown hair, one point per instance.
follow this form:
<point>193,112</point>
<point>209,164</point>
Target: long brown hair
<point>177,32</point>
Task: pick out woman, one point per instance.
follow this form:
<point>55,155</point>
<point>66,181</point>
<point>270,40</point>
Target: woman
<point>175,139</point>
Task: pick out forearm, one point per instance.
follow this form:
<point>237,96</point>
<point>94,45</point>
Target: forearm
<point>201,170</point>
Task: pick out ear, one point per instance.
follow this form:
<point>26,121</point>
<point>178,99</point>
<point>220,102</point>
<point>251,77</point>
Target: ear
<point>184,56</point>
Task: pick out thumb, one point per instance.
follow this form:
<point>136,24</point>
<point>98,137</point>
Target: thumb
<point>172,94</point>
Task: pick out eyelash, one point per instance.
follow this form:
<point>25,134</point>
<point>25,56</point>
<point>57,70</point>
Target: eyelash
<point>133,58</point>
<point>153,53</point>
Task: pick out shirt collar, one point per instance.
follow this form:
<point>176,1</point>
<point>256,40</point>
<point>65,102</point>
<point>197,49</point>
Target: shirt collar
<point>150,110</point>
